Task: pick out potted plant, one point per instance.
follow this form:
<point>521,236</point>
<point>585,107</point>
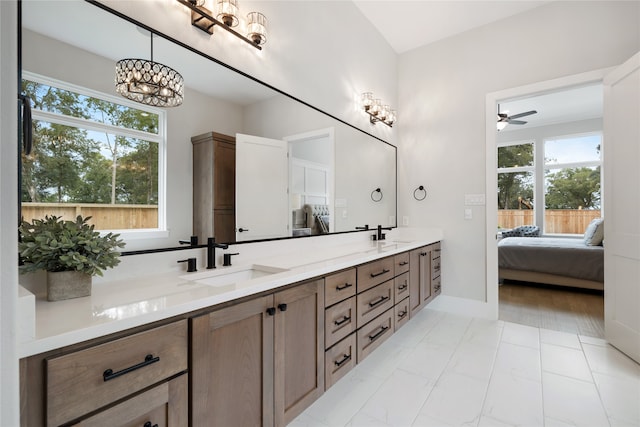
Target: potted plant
<point>70,251</point>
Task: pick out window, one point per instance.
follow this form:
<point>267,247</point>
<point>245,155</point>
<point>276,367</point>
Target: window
<point>94,155</point>
<point>565,175</point>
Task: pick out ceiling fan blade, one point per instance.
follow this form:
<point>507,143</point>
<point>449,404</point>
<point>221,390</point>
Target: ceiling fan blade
<point>516,122</point>
<point>528,113</point>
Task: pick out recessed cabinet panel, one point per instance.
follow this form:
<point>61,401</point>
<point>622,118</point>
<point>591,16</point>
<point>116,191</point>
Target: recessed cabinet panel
<point>374,333</point>
<point>339,321</point>
<point>401,287</point>
<point>401,314</point>
<point>339,360</point>
<point>339,286</point>
<point>374,273</point>
<point>375,301</point>
<point>86,380</point>
<point>401,263</point>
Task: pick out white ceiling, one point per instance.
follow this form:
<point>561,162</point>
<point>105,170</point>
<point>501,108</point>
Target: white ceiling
<point>408,24</point>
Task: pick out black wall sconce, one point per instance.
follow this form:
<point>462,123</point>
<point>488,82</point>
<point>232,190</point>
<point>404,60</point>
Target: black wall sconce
<point>376,195</point>
<point>420,193</point>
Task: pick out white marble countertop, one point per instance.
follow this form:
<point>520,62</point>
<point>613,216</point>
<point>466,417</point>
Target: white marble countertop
<point>122,304</point>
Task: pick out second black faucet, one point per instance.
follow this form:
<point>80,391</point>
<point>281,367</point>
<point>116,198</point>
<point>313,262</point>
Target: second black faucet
<point>211,251</point>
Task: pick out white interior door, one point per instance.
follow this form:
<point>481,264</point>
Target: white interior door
<point>261,188</point>
<point>621,149</point>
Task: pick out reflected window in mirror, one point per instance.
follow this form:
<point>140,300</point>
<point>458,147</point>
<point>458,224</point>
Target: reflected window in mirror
<point>93,155</point>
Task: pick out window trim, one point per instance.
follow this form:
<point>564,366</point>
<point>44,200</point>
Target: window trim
<point>160,138</point>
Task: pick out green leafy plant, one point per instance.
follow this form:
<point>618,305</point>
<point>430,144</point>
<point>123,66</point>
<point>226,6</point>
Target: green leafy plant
<point>54,244</point>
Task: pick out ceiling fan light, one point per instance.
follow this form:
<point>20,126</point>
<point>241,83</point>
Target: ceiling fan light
<point>501,124</point>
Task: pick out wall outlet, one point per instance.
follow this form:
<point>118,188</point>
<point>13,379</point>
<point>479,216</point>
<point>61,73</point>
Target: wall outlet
<point>405,221</point>
<point>468,213</point>
<point>344,213</point>
<point>392,220</point>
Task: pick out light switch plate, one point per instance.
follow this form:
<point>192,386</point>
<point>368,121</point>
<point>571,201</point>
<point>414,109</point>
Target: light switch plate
<point>405,221</point>
<point>474,200</point>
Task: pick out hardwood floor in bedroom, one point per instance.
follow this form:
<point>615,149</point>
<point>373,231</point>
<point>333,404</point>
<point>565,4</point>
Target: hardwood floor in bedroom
<point>578,311</point>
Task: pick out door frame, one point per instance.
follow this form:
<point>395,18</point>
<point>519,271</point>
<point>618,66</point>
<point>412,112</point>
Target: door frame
<point>491,212</point>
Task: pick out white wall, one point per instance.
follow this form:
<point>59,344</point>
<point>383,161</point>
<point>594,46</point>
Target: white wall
<point>442,92</point>
<point>9,397</point>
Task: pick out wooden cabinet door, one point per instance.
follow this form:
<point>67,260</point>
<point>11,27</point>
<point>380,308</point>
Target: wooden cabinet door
<point>419,278</point>
<point>232,366</point>
<point>299,349</point>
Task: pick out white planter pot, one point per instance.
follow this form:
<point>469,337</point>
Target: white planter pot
<point>63,285</point>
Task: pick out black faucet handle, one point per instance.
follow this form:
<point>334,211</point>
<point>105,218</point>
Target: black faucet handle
<point>193,241</point>
<point>191,264</point>
<point>226,258</point>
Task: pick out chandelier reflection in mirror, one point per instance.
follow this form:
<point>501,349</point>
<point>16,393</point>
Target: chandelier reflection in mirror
<point>226,19</point>
<point>377,111</point>
<point>149,82</point>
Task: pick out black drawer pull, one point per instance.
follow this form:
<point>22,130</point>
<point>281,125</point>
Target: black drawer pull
<point>375,336</point>
<point>402,314</point>
<point>271,311</point>
<point>384,271</point>
<point>345,286</point>
<point>344,320</point>
<point>148,360</point>
<point>282,307</point>
<point>402,263</point>
<point>378,301</point>
<point>148,424</point>
<point>402,287</point>
<point>344,360</point>
<point>423,254</point>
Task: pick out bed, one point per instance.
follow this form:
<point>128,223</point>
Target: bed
<point>552,260</point>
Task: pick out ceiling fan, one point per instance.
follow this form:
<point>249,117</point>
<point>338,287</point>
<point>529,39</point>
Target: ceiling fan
<point>504,119</point>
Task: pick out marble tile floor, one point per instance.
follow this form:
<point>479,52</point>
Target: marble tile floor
<point>442,369</point>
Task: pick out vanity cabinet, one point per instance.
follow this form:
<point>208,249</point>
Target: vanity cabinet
<point>214,186</point>
<point>143,374</point>
<point>259,362</point>
<point>424,275</point>
<point>436,281</point>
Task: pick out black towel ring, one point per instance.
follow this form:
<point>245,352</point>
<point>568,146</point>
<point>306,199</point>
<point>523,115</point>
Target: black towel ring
<point>377,190</point>
<point>415,193</point>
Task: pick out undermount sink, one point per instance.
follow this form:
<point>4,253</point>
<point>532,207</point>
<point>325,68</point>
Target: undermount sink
<point>225,276</point>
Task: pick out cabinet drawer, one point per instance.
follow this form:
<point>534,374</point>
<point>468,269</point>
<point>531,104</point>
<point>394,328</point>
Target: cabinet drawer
<point>339,321</point>
<point>435,267</point>
<point>374,302</point>
<point>80,382</point>
<point>401,314</point>
<point>156,406</point>
<point>339,360</point>
<point>401,262</point>
<point>401,287</point>
<point>339,286</point>
<point>374,273</point>
<point>436,286</point>
<point>374,333</point>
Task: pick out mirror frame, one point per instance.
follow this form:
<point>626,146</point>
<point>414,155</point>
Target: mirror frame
<point>230,68</point>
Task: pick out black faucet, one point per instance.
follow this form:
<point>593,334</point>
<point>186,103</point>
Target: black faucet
<point>380,235</point>
<point>211,251</point>
<point>193,241</point>
<point>227,259</point>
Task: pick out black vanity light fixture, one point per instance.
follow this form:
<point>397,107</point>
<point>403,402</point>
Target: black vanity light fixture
<point>377,111</point>
<point>149,82</point>
<point>227,18</point>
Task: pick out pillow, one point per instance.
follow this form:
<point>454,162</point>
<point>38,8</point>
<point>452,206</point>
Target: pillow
<point>594,234</point>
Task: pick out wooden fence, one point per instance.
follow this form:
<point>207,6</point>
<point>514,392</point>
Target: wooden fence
<point>560,221</point>
<point>103,216</point>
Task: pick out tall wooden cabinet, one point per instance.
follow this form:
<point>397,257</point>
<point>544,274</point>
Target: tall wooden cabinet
<point>261,362</point>
<point>419,278</point>
<point>214,186</point>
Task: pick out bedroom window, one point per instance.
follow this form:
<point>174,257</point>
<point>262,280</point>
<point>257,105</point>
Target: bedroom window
<point>563,172</point>
<point>93,155</point>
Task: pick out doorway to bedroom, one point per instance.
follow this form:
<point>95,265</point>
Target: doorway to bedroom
<point>548,149</point>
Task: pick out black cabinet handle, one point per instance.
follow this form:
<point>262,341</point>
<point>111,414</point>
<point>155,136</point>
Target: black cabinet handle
<point>403,263</point>
<point>242,230</point>
<point>402,314</point>
<point>148,360</point>
<point>148,424</point>
<point>384,271</point>
<point>375,336</point>
<point>344,360</point>
<point>282,307</point>
<point>345,286</point>
<point>403,286</point>
<point>423,254</point>
<point>271,311</point>
<point>378,301</point>
<point>344,320</point>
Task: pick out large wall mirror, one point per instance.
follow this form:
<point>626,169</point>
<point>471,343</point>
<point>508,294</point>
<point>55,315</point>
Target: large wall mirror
<point>133,167</point>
